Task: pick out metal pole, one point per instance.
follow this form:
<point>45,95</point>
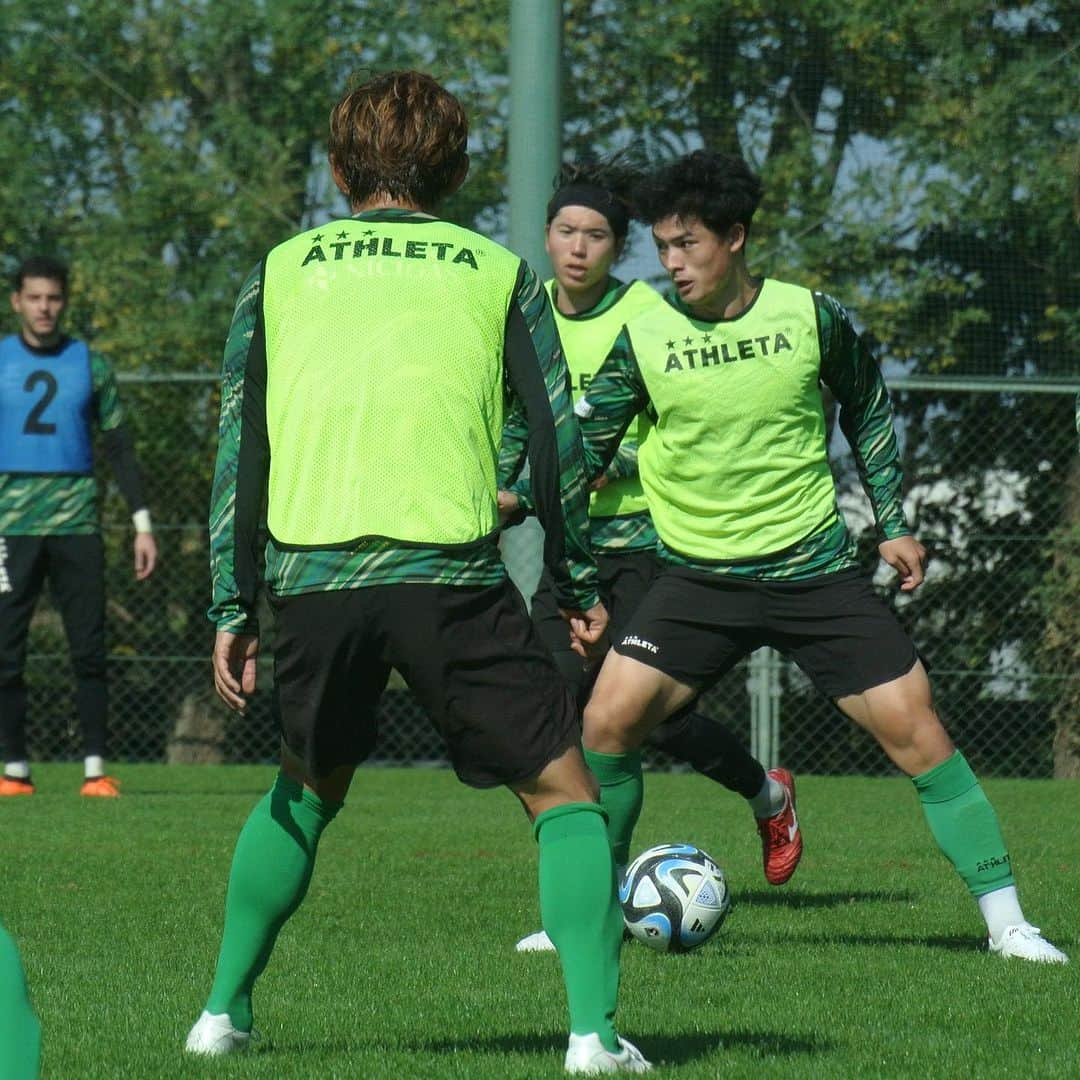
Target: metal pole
<point>763,687</point>
<point>759,727</point>
<point>772,693</point>
<point>535,149</point>
<point>535,122</point>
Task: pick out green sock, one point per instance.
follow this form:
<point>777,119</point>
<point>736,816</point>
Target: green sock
<point>20,1032</point>
<point>581,914</point>
<point>271,870</point>
<point>622,791</point>
<point>964,825</point>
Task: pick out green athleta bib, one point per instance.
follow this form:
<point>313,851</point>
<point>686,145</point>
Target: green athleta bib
<point>586,341</point>
<point>384,382</point>
<point>736,467</point>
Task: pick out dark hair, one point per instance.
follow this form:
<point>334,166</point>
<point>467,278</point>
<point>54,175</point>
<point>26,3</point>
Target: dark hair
<point>718,189</point>
<point>41,266</point>
<point>399,134</point>
<point>604,185</point>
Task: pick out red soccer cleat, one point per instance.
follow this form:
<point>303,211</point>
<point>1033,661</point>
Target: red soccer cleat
<point>102,787</point>
<point>781,838</point>
<point>14,785</point>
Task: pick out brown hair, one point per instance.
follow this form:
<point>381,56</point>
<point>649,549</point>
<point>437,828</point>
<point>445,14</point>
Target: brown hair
<point>399,134</point>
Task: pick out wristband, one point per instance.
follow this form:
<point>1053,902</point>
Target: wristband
<point>141,520</point>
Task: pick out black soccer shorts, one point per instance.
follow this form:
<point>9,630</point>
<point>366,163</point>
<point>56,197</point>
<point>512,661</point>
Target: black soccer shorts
<point>470,655</point>
<point>623,579</point>
<point>695,626</point>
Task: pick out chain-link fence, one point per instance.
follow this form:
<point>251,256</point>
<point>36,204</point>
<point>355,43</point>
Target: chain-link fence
<point>986,480</point>
<point>918,161</point>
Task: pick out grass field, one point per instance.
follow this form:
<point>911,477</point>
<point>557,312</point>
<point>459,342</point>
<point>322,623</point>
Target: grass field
<point>401,962</point>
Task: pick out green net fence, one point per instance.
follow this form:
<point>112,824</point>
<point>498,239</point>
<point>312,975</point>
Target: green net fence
<point>981,619</point>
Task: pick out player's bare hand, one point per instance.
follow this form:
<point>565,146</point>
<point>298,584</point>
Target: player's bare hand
<point>601,481</point>
<point>234,668</point>
<point>588,630</point>
<point>908,558</point>
<point>510,511</point>
<point>146,555</point>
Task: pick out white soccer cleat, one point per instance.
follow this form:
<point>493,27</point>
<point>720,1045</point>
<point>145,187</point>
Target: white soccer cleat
<point>586,1056</point>
<point>1026,942</point>
<point>214,1036</point>
<point>538,942</point>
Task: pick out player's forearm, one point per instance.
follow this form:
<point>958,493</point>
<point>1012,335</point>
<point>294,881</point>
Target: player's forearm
<point>624,464</point>
<point>877,457</point>
<point>537,377</point>
<point>119,450</point>
<point>513,446</point>
<point>560,497</point>
<point>240,471</point>
<point>601,434</point>
<point>850,371</point>
<point>233,555</point>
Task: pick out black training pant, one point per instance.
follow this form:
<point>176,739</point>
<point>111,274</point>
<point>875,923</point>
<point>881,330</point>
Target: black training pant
<point>74,567</point>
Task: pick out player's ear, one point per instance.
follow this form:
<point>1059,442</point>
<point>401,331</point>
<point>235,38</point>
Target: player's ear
<point>737,237</point>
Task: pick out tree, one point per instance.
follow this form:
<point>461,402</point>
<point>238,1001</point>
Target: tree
<point>918,164</point>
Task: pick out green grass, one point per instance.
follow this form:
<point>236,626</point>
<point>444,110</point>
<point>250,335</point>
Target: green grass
<point>400,963</point>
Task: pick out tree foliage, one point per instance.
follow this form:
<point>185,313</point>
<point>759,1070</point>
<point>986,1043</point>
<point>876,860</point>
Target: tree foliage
<point>920,164</point>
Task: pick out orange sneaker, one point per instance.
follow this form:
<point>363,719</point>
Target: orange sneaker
<point>781,838</point>
<point>102,786</point>
<point>15,785</point>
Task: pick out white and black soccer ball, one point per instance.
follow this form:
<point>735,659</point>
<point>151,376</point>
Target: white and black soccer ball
<point>674,898</point>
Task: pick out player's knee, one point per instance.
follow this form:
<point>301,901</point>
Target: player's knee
<point>599,717</point>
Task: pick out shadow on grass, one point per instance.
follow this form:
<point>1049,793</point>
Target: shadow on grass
<point>796,900</point>
<point>967,943</point>
<point>673,1049</point>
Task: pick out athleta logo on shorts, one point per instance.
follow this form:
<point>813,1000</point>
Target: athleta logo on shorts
<point>640,643</point>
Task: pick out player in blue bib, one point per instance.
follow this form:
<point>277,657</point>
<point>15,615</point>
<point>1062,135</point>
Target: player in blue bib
<point>54,391</point>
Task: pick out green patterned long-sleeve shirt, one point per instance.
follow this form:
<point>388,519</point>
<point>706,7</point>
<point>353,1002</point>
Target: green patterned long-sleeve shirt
<point>847,368</point>
<point>535,381</point>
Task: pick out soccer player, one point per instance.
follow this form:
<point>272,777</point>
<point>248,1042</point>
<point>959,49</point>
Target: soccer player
<point>755,550</point>
<point>20,1032</point>
<point>588,219</point>
<point>365,377</point>
<point>53,390</point>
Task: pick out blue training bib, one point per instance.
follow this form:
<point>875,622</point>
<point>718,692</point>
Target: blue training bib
<point>45,402</point>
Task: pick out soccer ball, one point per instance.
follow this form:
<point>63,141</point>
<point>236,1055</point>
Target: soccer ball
<point>674,898</point>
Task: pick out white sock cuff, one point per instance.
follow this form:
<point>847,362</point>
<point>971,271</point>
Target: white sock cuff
<point>769,800</point>
<point>1000,908</point>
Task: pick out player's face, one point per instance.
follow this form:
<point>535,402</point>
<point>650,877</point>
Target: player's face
<point>700,262</point>
<point>39,304</point>
<point>581,246</point>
